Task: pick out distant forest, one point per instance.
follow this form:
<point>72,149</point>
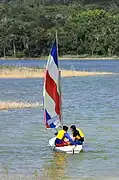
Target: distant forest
<point>85,27</point>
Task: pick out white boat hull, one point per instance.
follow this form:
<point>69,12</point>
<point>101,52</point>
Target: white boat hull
<point>72,149</point>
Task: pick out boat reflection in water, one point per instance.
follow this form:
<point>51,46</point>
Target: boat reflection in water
<point>57,168</point>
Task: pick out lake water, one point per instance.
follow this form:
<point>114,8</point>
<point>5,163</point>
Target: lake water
<point>85,65</point>
<point>92,103</point>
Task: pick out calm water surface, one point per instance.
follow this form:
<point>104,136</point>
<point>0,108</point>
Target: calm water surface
<point>85,65</point>
<point>91,103</point>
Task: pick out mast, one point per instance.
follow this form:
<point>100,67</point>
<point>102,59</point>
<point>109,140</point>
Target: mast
<point>59,83</point>
<point>61,117</point>
<point>57,43</point>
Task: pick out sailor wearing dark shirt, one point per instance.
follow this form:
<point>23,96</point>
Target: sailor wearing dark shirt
<point>78,135</point>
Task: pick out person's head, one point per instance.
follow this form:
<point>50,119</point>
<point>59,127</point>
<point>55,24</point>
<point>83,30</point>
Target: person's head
<point>65,128</point>
<point>73,128</point>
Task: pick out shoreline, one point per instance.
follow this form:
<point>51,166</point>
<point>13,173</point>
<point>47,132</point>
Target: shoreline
<point>67,57</point>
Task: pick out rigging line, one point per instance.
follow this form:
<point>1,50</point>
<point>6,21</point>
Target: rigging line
<point>51,130</point>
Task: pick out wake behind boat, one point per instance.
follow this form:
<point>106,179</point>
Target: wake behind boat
<point>52,100</point>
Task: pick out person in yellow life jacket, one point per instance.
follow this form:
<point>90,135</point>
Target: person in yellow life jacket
<point>61,135</point>
<point>78,135</point>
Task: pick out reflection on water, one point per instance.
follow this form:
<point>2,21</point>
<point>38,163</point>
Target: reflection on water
<point>56,169</point>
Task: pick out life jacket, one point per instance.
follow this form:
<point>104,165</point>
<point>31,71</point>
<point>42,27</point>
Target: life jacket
<point>60,135</point>
<point>81,135</point>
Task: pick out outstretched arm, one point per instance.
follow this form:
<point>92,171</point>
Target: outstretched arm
<point>69,138</point>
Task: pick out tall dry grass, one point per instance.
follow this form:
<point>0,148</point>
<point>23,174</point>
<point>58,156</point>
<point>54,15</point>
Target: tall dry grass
<point>6,105</point>
<point>20,72</point>
<point>28,72</point>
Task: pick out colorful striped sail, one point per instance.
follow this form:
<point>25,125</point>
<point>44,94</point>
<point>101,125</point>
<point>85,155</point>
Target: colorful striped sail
<point>51,92</point>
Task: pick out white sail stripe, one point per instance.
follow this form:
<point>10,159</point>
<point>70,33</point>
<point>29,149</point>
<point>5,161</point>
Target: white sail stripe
<point>55,120</point>
<point>49,105</point>
<point>53,71</point>
<point>44,88</point>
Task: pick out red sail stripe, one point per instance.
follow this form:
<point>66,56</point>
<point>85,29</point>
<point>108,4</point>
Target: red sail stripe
<point>51,89</point>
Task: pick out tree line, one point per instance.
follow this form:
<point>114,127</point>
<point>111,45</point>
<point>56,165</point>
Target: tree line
<point>27,27</point>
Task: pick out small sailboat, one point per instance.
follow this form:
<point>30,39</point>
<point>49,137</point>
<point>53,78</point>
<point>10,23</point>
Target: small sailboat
<point>52,99</point>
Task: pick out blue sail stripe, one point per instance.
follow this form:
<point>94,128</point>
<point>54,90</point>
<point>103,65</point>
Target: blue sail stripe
<point>54,52</point>
<point>52,126</point>
<point>47,115</point>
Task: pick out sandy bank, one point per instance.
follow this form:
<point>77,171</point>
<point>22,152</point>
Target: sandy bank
<point>39,73</point>
<point>89,58</point>
<point>66,57</point>
<point>66,73</point>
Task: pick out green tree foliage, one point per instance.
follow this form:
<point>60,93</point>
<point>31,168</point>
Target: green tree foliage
<point>85,27</point>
